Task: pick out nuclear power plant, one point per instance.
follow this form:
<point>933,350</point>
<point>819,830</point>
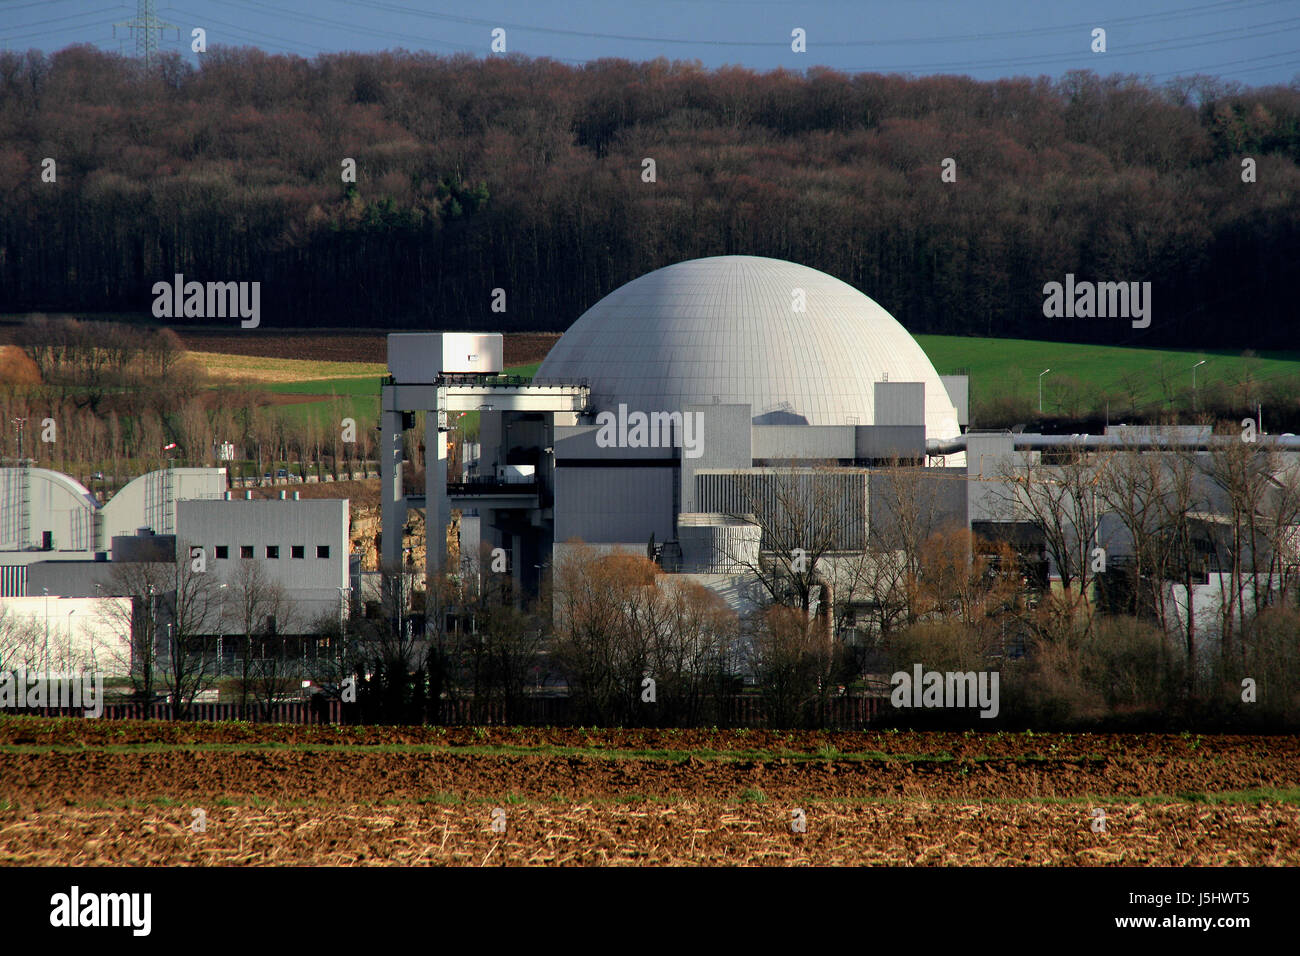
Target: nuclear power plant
<point>721,410</point>
<point>660,405</point>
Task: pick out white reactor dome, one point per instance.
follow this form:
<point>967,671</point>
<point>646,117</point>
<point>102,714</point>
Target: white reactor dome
<point>725,329</point>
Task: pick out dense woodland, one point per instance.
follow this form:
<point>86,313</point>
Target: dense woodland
<point>526,175</point>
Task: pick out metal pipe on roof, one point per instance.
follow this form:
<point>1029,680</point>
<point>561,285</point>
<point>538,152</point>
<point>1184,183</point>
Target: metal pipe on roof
<point>1024,441</point>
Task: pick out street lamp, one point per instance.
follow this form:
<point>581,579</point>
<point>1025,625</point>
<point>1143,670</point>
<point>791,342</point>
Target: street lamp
<point>1194,368</point>
<point>1040,389</point>
<point>70,613</point>
<point>345,605</point>
<point>344,594</point>
<point>221,629</point>
<point>148,651</point>
<point>19,422</point>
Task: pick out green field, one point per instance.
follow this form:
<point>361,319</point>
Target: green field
<point>1004,372</point>
<point>1130,378</point>
<point>360,396</point>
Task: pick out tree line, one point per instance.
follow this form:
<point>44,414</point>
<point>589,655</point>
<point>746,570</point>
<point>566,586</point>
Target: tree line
<point>530,176</point>
<point>117,400</point>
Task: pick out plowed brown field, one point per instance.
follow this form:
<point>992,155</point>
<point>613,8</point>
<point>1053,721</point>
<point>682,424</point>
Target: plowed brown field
<point>99,793</point>
<point>520,348</point>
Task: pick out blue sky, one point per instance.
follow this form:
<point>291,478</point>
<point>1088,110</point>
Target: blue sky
<point>1250,41</point>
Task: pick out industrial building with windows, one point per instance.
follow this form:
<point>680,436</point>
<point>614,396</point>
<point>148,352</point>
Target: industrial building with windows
<point>59,547</point>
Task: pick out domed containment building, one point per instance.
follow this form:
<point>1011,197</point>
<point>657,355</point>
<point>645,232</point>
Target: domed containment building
<point>796,345</point>
<point>692,408</point>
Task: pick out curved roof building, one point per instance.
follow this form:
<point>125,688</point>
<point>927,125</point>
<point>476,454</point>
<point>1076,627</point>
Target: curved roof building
<point>725,330</point>
<point>35,502</point>
<point>45,515</point>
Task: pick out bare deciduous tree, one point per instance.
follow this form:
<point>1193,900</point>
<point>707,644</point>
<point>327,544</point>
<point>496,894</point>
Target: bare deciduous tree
<point>1060,500</point>
<point>22,641</point>
<point>262,614</point>
<point>167,626</point>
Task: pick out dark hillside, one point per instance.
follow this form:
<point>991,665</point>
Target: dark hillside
<point>526,175</point>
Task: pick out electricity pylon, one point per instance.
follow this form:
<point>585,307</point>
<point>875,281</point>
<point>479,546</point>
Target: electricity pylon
<point>146,28</point>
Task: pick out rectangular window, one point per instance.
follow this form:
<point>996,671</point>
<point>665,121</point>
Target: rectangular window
<point>322,550</point>
<point>223,552</point>
<point>297,551</point>
<point>245,550</point>
<point>272,551</point>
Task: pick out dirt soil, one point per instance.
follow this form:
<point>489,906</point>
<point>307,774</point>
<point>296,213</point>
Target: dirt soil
<point>100,792</point>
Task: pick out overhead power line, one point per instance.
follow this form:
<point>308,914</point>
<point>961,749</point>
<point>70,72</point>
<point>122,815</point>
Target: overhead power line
<point>6,37</point>
<point>1223,6</point>
<point>37,3</point>
<point>1144,49</point>
<point>248,34</point>
<point>404,36</point>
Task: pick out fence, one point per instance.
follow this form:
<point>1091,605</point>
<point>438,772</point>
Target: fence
<point>294,712</point>
<point>841,713</point>
<point>742,710</point>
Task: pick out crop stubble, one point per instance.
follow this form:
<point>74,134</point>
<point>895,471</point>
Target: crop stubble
<point>418,796</point>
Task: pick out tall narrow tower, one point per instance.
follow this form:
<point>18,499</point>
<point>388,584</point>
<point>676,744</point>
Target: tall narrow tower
<point>146,28</point>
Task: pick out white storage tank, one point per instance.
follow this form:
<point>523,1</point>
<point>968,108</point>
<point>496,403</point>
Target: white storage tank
<point>717,544</point>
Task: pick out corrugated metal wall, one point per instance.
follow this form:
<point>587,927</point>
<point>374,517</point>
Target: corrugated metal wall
<point>811,509</point>
<point>616,504</point>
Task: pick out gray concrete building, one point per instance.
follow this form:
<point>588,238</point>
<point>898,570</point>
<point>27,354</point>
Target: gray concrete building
<point>301,545</point>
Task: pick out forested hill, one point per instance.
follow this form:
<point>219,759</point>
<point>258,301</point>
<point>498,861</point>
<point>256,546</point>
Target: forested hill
<point>527,175</point>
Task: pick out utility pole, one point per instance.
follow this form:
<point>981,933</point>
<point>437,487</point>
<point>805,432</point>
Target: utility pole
<point>20,422</point>
<point>146,28</point>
